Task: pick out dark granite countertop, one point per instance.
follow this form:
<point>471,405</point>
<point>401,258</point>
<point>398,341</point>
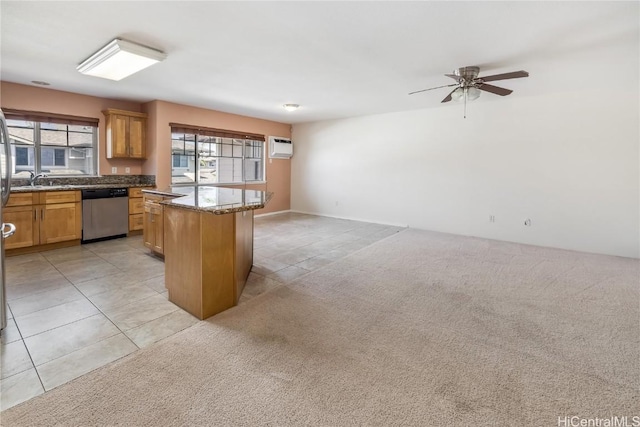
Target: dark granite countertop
<point>216,200</point>
<point>36,188</point>
<point>56,183</point>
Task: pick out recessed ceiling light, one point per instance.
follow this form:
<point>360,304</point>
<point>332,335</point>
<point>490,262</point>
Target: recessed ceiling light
<point>291,107</point>
<point>119,59</point>
<point>40,82</point>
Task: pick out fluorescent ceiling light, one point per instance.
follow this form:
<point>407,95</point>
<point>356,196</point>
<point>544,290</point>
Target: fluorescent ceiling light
<point>291,107</point>
<point>119,59</point>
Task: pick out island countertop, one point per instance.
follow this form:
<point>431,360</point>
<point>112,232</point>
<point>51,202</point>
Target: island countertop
<point>217,200</point>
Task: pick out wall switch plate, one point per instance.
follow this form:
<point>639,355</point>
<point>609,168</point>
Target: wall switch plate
<point>127,170</point>
<point>114,169</point>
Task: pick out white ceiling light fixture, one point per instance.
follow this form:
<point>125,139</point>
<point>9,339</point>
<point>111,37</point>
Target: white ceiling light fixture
<point>119,59</point>
<point>291,107</point>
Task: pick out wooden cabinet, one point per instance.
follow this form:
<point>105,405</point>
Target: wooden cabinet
<point>23,217</point>
<point>136,210</point>
<point>153,234</point>
<point>44,218</point>
<point>19,211</point>
<point>207,258</point>
<point>126,134</point>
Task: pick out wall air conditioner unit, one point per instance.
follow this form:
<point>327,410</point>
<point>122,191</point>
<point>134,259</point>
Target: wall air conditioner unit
<point>280,148</point>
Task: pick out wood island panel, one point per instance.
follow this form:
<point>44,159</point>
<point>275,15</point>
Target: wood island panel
<point>244,250</point>
<point>207,258</point>
<point>218,263</point>
<point>183,259</point>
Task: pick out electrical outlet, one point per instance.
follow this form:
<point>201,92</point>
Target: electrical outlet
<point>114,169</point>
<point>127,170</point>
<point>527,222</point>
<point>492,218</point>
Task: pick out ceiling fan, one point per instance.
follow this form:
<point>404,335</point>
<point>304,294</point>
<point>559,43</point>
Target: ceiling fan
<point>468,85</point>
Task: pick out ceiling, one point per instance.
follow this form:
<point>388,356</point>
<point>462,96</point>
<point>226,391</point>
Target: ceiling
<point>335,59</point>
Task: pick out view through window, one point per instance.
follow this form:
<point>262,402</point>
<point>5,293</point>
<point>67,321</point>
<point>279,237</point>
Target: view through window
<point>56,149</point>
<point>199,158</point>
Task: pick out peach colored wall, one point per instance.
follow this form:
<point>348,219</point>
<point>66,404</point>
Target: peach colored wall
<point>158,162</point>
<point>23,97</point>
<point>161,113</point>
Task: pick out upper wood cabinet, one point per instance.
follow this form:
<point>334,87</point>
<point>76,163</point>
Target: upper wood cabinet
<point>126,134</point>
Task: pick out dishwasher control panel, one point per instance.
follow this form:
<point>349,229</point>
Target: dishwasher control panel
<point>104,193</point>
<point>118,192</point>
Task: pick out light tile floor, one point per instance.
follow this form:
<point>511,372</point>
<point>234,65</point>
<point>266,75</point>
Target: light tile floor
<point>73,310</point>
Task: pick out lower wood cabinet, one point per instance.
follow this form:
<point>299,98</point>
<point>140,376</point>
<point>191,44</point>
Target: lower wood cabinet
<point>43,218</point>
<point>136,209</point>
<point>27,228</point>
<point>153,234</point>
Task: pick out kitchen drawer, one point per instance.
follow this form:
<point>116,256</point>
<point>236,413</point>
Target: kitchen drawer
<point>22,199</point>
<point>135,192</point>
<point>136,222</point>
<point>156,198</point>
<point>136,206</point>
<point>51,197</point>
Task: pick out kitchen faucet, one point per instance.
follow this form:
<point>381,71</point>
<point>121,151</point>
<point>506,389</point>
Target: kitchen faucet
<point>33,178</point>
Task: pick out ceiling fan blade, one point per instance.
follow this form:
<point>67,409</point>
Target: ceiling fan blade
<point>494,89</point>
<point>505,76</point>
<point>448,98</point>
<point>432,88</point>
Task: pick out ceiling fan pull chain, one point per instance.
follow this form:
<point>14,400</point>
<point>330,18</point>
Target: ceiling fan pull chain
<point>465,103</point>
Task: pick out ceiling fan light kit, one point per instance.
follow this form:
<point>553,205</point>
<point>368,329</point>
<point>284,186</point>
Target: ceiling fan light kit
<point>469,86</point>
<point>472,93</point>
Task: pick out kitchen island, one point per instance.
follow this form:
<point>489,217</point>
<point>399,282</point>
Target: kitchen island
<point>208,245</point>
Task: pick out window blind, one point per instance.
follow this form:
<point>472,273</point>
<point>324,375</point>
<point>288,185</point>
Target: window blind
<point>221,133</point>
<point>38,116</point>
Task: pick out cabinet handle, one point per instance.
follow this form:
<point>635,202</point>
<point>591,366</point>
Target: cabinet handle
<point>35,215</point>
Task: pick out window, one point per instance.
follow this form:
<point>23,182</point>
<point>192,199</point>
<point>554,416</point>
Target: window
<point>180,162</point>
<point>52,144</point>
<point>212,156</point>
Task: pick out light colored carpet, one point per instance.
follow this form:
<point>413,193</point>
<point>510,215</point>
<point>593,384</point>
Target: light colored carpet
<point>420,329</point>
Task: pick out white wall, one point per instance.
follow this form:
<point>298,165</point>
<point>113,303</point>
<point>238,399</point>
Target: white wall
<point>568,161</point>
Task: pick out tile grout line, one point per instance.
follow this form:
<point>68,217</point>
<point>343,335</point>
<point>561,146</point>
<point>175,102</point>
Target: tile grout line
<point>90,302</point>
<point>28,352</point>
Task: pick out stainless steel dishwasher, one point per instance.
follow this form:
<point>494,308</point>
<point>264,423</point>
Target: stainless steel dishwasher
<point>105,214</point>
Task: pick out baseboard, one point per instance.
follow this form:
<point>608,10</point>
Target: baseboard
<point>42,248</point>
<point>272,213</point>
<point>349,218</point>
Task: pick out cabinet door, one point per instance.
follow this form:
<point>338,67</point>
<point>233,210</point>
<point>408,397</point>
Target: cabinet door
<point>148,224</point>
<point>153,232</point>
<point>159,230</point>
<point>137,137</point>
<point>23,217</point>
<point>119,134</point>
<point>60,222</point>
